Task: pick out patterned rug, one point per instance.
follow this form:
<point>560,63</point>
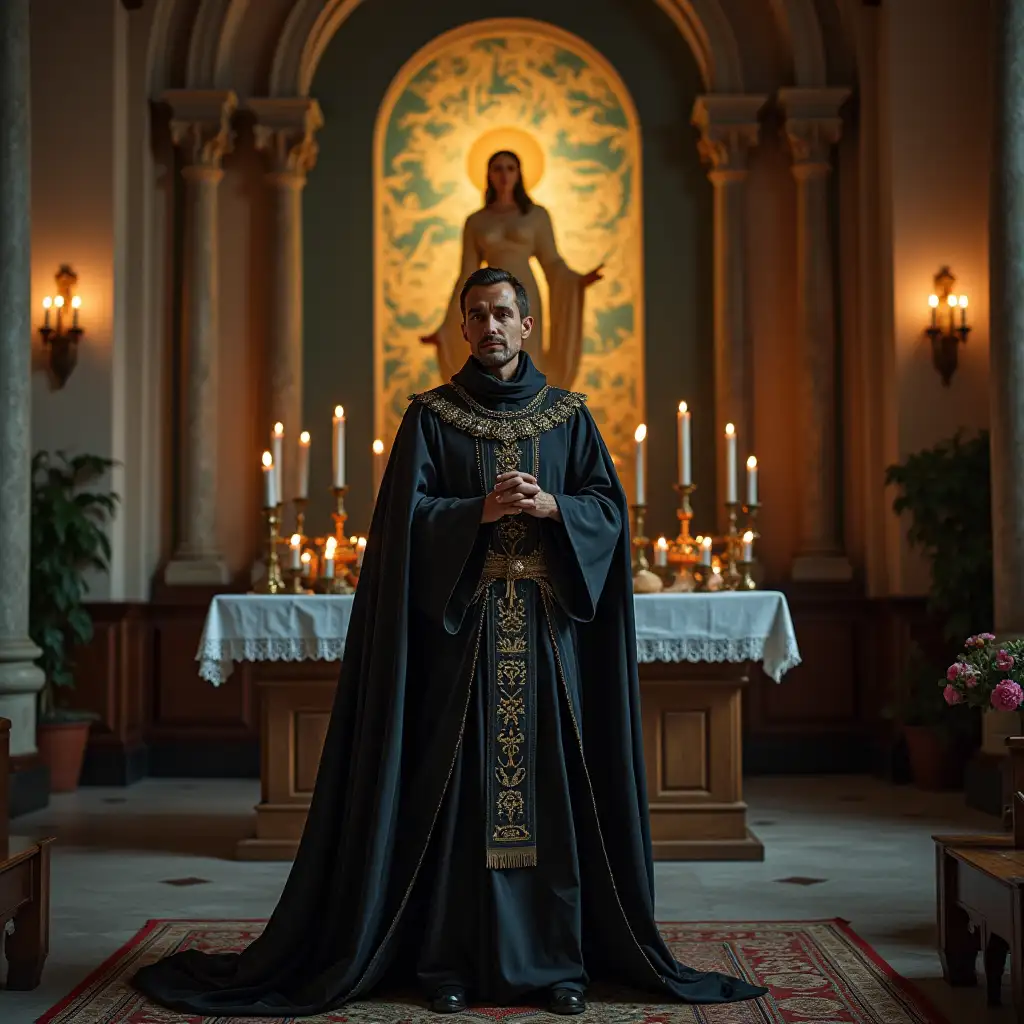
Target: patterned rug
<point>818,972</point>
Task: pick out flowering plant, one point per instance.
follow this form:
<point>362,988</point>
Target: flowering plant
<point>988,674</point>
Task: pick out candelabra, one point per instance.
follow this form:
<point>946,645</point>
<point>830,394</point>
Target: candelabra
<point>644,581</point>
<point>683,552</point>
<point>62,339</point>
<point>344,553</point>
<point>273,581</point>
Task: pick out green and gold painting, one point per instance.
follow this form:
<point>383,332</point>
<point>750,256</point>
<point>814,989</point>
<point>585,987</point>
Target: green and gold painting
<point>553,100</point>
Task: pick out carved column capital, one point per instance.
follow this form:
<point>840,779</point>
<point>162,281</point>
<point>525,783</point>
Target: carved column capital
<point>285,129</point>
<point>728,130</point>
<point>201,126</point>
<point>813,126</point>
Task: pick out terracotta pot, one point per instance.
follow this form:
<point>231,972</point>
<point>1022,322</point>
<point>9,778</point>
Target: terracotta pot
<point>934,762</point>
<point>62,750</point>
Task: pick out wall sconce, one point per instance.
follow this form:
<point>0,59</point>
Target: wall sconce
<point>62,338</point>
<point>946,337</point>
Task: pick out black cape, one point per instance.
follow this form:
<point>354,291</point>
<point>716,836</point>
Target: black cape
<point>345,921</point>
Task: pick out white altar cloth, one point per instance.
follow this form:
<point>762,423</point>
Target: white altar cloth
<point>752,626</point>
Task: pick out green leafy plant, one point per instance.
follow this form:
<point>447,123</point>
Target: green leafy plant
<point>945,490</point>
<point>68,539</point>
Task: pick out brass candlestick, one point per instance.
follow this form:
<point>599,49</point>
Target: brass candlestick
<point>731,577</point>
<point>344,553</point>
<point>644,581</point>
<point>683,552</point>
<point>272,582</point>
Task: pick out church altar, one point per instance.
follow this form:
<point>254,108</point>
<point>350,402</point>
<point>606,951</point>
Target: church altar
<point>694,650</point>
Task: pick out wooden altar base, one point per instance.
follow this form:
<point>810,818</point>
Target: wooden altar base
<point>693,748</point>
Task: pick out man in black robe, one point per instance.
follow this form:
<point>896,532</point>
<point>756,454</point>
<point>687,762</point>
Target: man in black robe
<point>479,824</point>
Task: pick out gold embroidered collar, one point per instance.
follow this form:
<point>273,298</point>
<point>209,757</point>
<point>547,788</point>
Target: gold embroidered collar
<point>497,428</point>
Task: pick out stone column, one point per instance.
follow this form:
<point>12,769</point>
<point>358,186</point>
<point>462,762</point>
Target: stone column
<point>285,130</point>
<point>200,125</point>
<point>813,127</point>
<point>1006,341</point>
<point>728,129</point>
<point>20,678</point>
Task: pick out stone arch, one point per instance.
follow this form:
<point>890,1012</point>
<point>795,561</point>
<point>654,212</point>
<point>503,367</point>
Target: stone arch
<point>313,23</point>
<point>801,31</point>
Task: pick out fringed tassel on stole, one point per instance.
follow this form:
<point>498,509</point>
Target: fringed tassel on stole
<point>526,857</point>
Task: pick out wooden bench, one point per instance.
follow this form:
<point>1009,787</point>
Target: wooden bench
<point>24,890</point>
<point>980,883</point>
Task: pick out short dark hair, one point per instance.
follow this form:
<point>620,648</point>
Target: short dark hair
<point>495,275</point>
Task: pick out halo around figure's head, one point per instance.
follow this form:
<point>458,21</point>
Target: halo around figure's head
<point>514,140</point>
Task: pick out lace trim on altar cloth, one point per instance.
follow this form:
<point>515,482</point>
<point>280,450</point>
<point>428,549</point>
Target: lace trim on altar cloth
<point>218,657</point>
<point>709,649</point>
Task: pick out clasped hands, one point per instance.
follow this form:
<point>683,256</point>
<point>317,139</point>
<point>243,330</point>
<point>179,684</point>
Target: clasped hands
<point>518,492</point>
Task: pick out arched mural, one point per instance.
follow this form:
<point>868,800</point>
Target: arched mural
<point>529,86</point>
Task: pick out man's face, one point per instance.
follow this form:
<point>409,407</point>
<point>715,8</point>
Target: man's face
<point>492,326</point>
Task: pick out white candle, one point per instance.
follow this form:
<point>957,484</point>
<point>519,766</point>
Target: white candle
<point>329,558</point>
<point>360,551</point>
<point>277,449</point>
<point>303,481</point>
<point>752,480</point>
<point>730,462</point>
<point>47,304</point>
<point>378,466</point>
<point>748,546</point>
<point>639,435</point>
<point>933,302</point>
<point>661,553</point>
<point>339,446</point>
<point>296,547</point>
<point>269,482</point>
<point>76,305</point>
<point>705,551</point>
<point>685,464</point>
<point>307,559</point>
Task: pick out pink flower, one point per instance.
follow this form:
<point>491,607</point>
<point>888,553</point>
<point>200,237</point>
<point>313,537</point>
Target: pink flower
<point>955,671</point>
<point>1004,661</point>
<point>969,678</point>
<point>953,695</point>
<point>1007,696</point>
<point>986,638</point>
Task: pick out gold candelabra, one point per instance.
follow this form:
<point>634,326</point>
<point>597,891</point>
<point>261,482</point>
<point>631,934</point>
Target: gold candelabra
<point>344,553</point>
<point>273,581</point>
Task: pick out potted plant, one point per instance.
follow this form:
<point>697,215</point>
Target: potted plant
<point>68,541</point>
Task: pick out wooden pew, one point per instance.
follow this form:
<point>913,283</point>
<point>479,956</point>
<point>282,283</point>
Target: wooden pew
<point>980,888</point>
<point>24,890</point>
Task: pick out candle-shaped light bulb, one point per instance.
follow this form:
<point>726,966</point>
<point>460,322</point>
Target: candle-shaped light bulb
<point>748,546</point>
<point>296,548</point>
<point>277,448</point>
<point>76,305</point>
<point>661,553</point>
<point>933,301</point>
<point>302,484</point>
<point>269,482</point>
<point>705,551</point>
<point>752,480</point>
<point>59,302</point>
<point>338,446</point>
<point>963,310</point>
<point>639,436</point>
<point>952,300</point>
<point>685,462</point>
<point>730,463</point>
<point>47,304</point>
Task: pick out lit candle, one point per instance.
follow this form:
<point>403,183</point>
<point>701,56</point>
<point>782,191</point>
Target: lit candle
<point>752,480</point>
<point>277,448</point>
<point>639,435</point>
<point>963,310</point>
<point>378,466</point>
<point>296,546</point>
<point>360,551</point>
<point>269,482</point>
<point>339,446</point>
<point>307,559</point>
<point>748,546</point>
<point>933,301</point>
<point>303,482</point>
<point>76,305</point>
<point>329,558</point>
<point>58,304</point>
<point>705,551</point>
<point>730,462</point>
<point>661,553</point>
<point>685,464</point>
<point>47,304</point>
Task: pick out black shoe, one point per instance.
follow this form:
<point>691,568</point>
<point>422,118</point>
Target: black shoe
<point>448,999</point>
<point>566,1002</point>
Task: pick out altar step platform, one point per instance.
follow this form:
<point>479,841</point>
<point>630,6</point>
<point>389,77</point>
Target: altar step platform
<point>694,650</point>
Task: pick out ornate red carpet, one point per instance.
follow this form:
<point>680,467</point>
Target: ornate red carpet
<point>818,972</point>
